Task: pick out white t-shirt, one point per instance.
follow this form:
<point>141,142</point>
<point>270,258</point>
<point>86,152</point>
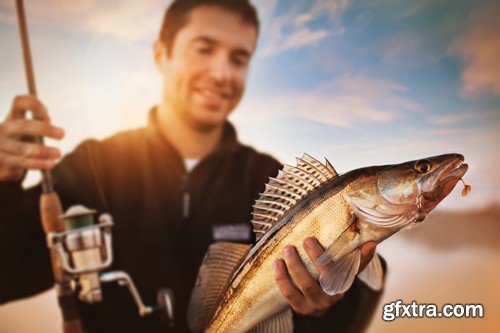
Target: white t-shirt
<point>190,163</point>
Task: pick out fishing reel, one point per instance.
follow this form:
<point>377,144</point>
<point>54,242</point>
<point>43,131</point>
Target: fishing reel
<point>84,249</point>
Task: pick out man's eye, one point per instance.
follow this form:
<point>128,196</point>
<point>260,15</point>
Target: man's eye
<point>238,61</point>
<point>204,50</point>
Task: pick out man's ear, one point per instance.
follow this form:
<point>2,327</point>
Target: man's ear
<point>160,55</point>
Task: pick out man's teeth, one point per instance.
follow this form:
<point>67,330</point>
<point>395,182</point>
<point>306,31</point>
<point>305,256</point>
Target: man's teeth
<point>211,94</point>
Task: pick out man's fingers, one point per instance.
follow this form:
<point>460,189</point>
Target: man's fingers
<point>304,281</point>
<point>23,127</point>
<point>286,287</point>
<point>305,296</point>
<point>314,250</point>
<point>11,162</point>
<point>367,253</point>
<point>24,103</point>
<point>29,150</point>
<point>38,151</point>
<point>38,164</point>
<point>12,174</point>
<point>16,155</point>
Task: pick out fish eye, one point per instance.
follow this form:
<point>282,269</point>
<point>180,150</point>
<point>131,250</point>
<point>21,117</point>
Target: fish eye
<point>423,166</point>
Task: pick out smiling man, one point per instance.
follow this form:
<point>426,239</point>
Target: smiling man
<point>204,67</point>
<point>173,187</point>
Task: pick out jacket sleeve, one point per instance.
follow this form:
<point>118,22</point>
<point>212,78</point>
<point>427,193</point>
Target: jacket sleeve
<point>24,256</point>
<point>353,313</point>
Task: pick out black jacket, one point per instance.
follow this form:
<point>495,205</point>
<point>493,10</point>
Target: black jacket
<point>164,222</point>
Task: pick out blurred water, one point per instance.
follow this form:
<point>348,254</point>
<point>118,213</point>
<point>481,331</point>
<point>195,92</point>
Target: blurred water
<point>459,270</point>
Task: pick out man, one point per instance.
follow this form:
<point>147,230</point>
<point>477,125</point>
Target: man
<point>173,187</point>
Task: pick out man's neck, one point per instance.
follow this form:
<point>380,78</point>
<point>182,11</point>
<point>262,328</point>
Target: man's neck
<point>190,142</point>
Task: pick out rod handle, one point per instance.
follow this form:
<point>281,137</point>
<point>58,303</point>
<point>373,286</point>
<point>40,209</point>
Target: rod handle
<point>74,326</point>
<point>51,210</point>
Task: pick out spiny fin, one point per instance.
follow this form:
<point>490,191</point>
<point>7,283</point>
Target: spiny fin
<point>339,275</point>
<point>283,192</point>
<point>330,167</point>
<point>279,323</point>
<point>319,169</point>
<point>217,268</point>
<point>373,274</point>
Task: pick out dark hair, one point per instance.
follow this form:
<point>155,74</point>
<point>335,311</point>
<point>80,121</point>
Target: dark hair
<point>176,16</point>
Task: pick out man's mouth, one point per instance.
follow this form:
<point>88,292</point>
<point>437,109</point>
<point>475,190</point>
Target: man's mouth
<point>213,96</point>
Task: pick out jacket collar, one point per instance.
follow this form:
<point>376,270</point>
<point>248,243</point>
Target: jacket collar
<point>228,143</point>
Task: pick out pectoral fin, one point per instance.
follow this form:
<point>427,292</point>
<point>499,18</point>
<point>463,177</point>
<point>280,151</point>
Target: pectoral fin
<point>279,323</point>
<point>341,243</point>
<point>373,274</point>
<point>339,275</point>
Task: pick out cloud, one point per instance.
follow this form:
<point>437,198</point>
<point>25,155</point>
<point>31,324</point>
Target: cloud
<point>7,13</point>
<point>347,102</point>
<point>414,8</point>
<point>479,49</point>
<point>301,38</point>
<point>350,101</point>
<point>490,116</point>
<point>138,21</point>
<point>265,9</point>
<point>125,21</point>
<point>334,9</point>
<point>295,28</point>
<point>450,119</point>
<point>407,49</point>
<point>132,21</point>
<point>388,149</point>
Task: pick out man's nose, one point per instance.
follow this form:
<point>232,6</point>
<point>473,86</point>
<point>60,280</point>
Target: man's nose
<point>220,69</point>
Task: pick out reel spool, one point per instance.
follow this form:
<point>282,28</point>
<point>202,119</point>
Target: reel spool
<point>84,250</point>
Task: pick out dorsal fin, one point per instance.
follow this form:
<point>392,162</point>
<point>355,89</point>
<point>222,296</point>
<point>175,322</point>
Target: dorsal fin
<point>283,192</point>
<point>216,270</point>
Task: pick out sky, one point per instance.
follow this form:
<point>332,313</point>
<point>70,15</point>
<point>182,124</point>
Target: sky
<point>358,82</point>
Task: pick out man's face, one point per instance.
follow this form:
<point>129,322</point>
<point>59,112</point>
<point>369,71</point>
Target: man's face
<point>204,77</point>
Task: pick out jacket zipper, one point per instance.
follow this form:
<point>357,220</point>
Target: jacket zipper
<point>186,196</point>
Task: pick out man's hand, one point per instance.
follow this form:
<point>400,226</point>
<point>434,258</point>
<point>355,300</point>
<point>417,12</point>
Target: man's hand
<point>16,155</point>
<point>308,298</point>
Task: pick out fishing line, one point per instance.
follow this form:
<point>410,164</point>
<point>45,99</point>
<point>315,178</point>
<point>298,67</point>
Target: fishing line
<point>77,93</point>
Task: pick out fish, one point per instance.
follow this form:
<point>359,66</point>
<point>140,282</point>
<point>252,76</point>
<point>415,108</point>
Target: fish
<point>235,290</point>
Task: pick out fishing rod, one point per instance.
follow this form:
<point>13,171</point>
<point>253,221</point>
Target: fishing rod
<point>50,204</point>
<point>79,247</point>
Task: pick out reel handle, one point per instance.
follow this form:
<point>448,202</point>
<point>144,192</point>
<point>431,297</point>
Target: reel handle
<point>165,301</point>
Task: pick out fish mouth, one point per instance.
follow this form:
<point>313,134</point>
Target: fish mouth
<point>454,168</point>
<point>445,178</point>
